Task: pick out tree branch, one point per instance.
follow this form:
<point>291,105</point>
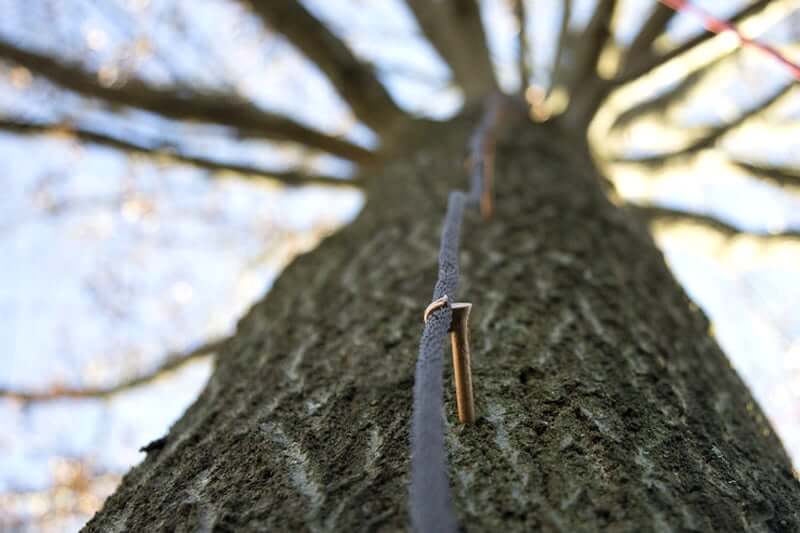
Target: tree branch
<point>455,30</point>
<point>558,76</point>
<point>172,362</point>
<point>653,214</point>
<point>636,69</point>
<point>160,149</point>
<point>586,89</point>
<point>667,98</point>
<point>784,177</point>
<point>661,102</point>
<point>524,56</point>
<point>591,44</point>
<point>640,49</point>
<point>713,135</point>
<point>174,103</point>
<point>353,79</point>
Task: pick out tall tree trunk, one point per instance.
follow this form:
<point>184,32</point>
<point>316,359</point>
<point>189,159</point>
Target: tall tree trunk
<point>603,401</point>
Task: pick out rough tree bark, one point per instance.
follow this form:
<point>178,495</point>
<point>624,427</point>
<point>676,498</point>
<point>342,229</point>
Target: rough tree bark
<point>604,403</point>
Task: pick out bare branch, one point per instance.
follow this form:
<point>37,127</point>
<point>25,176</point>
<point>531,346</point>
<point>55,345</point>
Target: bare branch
<point>172,362</point>
<point>640,49</point>
<point>636,69</point>
<point>176,103</point>
<point>524,52</point>
<point>669,97</point>
<point>455,30</point>
<point>714,134</point>
<point>654,214</point>
<point>558,74</point>
<point>589,47</point>
<point>161,149</point>
<point>781,176</point>
<point>662,102</point>
<point>353,79</point>
<point>586,89</point>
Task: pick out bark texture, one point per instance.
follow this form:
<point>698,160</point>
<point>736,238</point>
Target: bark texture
<point>603,402</point>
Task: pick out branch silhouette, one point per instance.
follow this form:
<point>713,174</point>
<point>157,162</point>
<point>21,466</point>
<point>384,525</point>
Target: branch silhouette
<point>171,362</point>
<point>656,214</point>
<point>160,150</point>
<point>455,30</point>
<point>714,134</point>
<point>179,103</point>
<point>353,79</point>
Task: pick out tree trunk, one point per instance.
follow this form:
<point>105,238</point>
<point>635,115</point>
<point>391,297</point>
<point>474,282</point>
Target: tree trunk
<point>603,401</point>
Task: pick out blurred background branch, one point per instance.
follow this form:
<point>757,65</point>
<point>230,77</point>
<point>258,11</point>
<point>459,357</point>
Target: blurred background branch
<point>171,362</point>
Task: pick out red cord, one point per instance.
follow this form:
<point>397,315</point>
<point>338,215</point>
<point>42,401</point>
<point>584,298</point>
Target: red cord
<point>715,25</point>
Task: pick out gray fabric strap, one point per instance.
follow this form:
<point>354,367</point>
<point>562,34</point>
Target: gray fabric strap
<point>431,505</point>
<point>430,501</point>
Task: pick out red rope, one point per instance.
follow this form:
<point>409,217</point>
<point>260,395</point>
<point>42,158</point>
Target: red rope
<point>715,25</point>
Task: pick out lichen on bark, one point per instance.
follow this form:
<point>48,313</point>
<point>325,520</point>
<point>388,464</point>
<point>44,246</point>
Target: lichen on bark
<point>603,401</point>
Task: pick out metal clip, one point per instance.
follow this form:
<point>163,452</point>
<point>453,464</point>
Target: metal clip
<point>462,369</point>
<point>459,343</point>
<point>434,305</point>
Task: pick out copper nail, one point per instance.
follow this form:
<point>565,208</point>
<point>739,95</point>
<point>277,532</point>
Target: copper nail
<point>462,371</point>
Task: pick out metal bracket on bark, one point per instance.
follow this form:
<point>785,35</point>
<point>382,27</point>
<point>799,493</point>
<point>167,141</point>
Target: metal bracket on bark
<point>462,367</point>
